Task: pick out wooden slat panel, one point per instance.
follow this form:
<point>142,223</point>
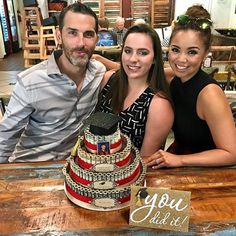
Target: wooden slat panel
<point>141,9</point>
<point>162,13</point>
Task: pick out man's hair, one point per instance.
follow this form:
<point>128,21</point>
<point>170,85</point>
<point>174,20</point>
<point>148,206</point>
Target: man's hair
<point>120,19</point>
<point>78,8</point>
<point>139,21</point>
<point>103,22</point>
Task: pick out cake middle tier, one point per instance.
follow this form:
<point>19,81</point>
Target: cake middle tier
<point>103,179</point>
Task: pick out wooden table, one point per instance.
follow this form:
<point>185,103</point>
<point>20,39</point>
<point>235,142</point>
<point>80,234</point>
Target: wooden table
<point>32,201</point>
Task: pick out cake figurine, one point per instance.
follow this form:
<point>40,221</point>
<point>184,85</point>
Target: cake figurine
<point>103,165</point>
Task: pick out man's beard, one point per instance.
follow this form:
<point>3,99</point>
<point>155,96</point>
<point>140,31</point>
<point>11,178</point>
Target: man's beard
<point>77,60</point>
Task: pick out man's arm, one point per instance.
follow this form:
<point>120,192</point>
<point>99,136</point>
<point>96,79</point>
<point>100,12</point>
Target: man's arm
<point>109,64</point>
<point>14,121</point>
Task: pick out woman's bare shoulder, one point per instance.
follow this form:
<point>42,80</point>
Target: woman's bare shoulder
<point>106,78</point>
<point>160,103</point>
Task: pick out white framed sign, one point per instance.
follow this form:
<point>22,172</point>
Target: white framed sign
<point>160,208</point>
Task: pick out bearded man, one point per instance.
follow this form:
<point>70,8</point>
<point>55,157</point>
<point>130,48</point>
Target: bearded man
<point>52,99</point>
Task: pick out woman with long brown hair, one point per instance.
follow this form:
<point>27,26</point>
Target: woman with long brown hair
<point>138,91</point>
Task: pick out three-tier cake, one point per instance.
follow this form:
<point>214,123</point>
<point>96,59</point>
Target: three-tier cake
<point>102,166</point>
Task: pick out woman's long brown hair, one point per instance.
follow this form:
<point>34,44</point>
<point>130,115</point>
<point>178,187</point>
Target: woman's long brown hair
<point>156,77</point>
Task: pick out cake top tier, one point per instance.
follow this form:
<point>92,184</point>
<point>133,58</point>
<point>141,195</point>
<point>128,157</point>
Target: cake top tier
<point>103,123</point>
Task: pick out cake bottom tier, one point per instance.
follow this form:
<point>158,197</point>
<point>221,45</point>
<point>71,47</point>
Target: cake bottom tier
<point>101,199</point>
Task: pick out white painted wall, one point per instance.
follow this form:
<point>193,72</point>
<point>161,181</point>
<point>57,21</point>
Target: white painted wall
<point>222,11</point>
<point>43,5</point>
<point>232,20</point>
<point>181,5</point>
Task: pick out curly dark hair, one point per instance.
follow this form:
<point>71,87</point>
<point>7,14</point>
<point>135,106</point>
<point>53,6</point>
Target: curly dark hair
<point>198,11</point>
<point>195,12</point>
